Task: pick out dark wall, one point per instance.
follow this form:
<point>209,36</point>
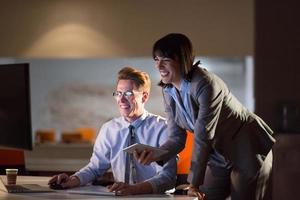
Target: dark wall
<point>277,50</point>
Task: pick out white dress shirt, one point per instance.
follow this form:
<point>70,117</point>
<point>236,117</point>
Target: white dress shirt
<point>108,152</point>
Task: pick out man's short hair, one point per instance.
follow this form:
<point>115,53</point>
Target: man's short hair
<point>140,78</point>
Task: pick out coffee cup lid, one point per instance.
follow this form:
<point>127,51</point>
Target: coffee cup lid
<point>11,170</point>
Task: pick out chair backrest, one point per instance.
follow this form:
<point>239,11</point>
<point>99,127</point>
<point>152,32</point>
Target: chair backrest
<point>185,156</point>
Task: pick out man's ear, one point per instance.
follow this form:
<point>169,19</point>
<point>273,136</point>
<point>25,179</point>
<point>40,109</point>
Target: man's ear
<point>145,97</point>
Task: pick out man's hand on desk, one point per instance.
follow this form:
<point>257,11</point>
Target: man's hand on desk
<point>65,181</point>
<point>122,189</point>
<point>195,192</point>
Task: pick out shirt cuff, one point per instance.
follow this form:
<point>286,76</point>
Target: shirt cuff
<point>81,178</point>
<point>154,186</point>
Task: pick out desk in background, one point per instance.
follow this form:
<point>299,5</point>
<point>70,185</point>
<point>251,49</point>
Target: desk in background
<point>62,196</point>
<point>49,159</point>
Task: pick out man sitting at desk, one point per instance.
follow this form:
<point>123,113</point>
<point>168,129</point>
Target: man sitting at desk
<point>134,125</point>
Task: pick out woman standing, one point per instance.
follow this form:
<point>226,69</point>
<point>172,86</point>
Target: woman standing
<point>232,146</point>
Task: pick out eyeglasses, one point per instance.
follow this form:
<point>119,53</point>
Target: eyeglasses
<point>127,94</point>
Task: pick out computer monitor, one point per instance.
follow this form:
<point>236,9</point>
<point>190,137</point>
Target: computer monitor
<point>15,112</point>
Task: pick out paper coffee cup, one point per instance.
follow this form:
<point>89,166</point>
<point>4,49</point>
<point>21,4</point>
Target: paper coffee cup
<point>11,175</point>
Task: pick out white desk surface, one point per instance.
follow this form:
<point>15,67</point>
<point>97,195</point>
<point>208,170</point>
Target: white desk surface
<point>61,195</point>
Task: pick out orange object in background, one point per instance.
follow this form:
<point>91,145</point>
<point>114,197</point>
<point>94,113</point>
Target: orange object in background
<point>45,136</point>
<point>11,157</point>
<point>185,156</point>
<point>78,136</point>
<point>88,134</point>
<point>71,137</point>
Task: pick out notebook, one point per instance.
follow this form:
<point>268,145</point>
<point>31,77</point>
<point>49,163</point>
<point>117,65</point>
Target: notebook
<point>24,188</point>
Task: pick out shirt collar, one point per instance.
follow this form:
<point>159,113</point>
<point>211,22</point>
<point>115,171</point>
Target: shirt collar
<point>184,85</point>
<point>136,123</point>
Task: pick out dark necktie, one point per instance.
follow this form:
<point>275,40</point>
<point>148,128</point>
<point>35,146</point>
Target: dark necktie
<point>130,171</point>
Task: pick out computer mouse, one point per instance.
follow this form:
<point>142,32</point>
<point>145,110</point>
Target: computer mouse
<point>56,186</point>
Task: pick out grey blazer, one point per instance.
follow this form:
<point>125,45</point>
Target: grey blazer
<point>222,123</point>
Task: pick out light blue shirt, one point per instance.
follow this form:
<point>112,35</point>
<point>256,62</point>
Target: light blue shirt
<point>108,152</point>
<point>181,99</point>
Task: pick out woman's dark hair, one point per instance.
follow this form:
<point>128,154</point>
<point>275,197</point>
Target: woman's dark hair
<point>177,47</point>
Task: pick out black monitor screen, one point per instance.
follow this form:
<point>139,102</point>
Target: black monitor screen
<point>15,117</point>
